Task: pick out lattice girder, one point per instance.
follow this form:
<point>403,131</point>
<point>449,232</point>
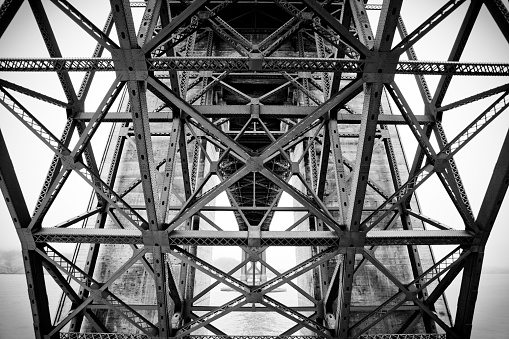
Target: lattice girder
<point>288,101</point>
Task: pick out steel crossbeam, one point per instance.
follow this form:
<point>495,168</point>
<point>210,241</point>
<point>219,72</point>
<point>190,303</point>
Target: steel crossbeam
<point>138,104</point>
<point>75,335</point>
<point>268,111</point>
<point>490,207</point>
<point>453,185</point>
<point>63,152</point>
<point>268,238</point>
<point>242,64</point>
<point>33,94</point>
<point>257,71</point>
<point>447,152</point>
<point>82,21</point>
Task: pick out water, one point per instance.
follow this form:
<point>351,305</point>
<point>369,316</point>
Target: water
<point>15,314</point>
<point>490,319</point>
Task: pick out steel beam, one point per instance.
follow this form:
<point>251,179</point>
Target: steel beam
<point>488,212</point>
<point>33,94</point>
<point>254,163</point>
<point>137,93</point>
<point>268,111</point>
<point>242,64</point>
<point>336,26</point>
<point>371,108</point>
<point>8,11</point>
<point>499,12</point>
<point>82,21</point>
<point>240,238</point>
<point>169,29</point>
<point>457,49</point>
<point>427,25</point>
<point>32,262</point>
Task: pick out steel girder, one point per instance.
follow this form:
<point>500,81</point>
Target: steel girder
<point>253,152</point>
<point>255,63</point>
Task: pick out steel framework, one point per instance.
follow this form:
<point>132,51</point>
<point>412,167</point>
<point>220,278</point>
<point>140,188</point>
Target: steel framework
<point>254,99</point>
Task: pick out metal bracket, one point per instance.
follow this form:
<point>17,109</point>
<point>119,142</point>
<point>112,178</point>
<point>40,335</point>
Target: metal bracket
<point>380,67</point>
<point>304,75</point>
<point>26,238</point>
<point>439,165</point>
<point>156,238</point>
<point>410,295</point>
<point>255,61</point>
<point>206,74</point>
<point>204,15</point>
<point>353,239</point>
<point>99,294</point>
<point>130,64</point>
<point>254,164</point>
<point>254,297</point>
<point>254,252</point>
<point>306,16</point>
<point>255,108</point>
<point>213,167</point>
<point>254,236</point>
<point>68,161</point>
<point>295,167</point>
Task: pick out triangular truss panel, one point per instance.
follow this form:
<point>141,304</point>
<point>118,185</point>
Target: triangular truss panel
<point>312,123</point>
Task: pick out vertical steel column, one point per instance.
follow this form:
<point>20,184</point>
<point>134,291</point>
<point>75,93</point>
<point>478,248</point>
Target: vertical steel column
<point>488,212</point>
<point>372,98</point>
<point>31,260</point>
<point>137,92</point>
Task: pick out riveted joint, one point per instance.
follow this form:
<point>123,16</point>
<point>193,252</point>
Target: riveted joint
<point>156,238</point>
<point>306,16</point>
<point>204,15</point>
<point>130,65</point>
<point>254,237</point>
<point>26,238</point>
<point>304,75</point>
<point>254,297</point>
<point>295,167</point>
<point>440,163</point>
<point>255,110</point>
<point>352,239</point>
<point>213,167</point>
<point>410,295</point>
<point>477,248</point>
<point>380,67</point>
<point>255,61</point>
<point>69,162</point>
<point>254,164</point>
<point>96,286</point>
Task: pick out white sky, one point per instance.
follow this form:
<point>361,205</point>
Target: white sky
<point>475,162</point>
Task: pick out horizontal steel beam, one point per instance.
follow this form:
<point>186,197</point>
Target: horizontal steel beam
<point>354,308</point>
<point>245,110</point>
<point>75,335</point>
<point>253,208</point>
<point>240,238</point>
<point>236,64</point>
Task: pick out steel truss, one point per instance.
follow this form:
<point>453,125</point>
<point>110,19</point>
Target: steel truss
<point>223,103</point>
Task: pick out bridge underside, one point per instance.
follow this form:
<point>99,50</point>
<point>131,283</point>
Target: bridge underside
<point>269,128</point>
